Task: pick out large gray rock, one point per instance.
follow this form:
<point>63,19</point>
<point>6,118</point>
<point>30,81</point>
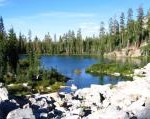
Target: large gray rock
<point>143,113</point>
<point>21,114</point>
<point>32,100</point>
<point>147,102</point>
<point>4,108</point>
<point>3,93</point>
<point>108,115</point>
<point>75,104</point>
<point>42,103</point>
<point>44,115</point>
<point>111,112</point>
<point>78,112</point>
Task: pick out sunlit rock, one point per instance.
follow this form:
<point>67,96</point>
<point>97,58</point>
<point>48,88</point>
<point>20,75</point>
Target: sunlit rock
<point>21,114</point>
<point>3,93</point>
<point>116,74</point>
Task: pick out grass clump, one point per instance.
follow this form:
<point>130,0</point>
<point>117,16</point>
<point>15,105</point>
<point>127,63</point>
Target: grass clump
<point>111,68</point>
<point>77,71</point>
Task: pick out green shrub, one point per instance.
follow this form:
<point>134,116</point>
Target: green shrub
<point>56,86</point>
<point>24,63</point>
<point>77,71</point>
<point>37,79</point>
<point>18,90</point>
<point>112,67</point>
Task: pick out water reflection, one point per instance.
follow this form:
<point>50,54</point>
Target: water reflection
<point>68,64</point>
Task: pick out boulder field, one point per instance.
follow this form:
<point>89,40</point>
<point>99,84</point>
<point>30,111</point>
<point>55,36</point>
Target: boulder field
<point>125,100</point>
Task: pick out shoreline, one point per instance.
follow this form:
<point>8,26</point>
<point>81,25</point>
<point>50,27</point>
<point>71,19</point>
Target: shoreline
<point>105,56</point>
<point>125,100</point>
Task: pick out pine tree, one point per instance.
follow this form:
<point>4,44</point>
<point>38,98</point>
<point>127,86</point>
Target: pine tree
<point>122,28</point>
<point>2,29</point>
<point>21,44</point>
<point>13,55</point>
<point>116,27</point>
<point>116,33</point>
<point>111,31</point>
<point>80,42</point>
<point>148,23</point>
<point>130,28</point>
<point>102,30</point>
<point>29,45</point>
<point>140,18</point>
<point>130,16</point>
<point>48,43</point>
<point>101,38</point>
<point>2,50</point>
<point>61,45</point>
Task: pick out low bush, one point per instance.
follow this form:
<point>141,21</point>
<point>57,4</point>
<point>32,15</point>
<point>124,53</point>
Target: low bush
<point>112,67</point>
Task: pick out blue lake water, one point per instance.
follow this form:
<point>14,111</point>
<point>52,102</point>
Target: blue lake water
<point>68,64</point>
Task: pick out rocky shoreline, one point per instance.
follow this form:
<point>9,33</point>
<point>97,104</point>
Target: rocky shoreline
<point>125,100</point>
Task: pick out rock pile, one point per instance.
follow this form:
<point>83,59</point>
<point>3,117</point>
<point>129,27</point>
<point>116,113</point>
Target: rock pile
<point>126,100</point>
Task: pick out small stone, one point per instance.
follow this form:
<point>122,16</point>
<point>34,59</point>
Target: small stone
<point>78,111</point>
<point>1,85</point>
<point>43,115</point>
<point>32,100</point>
<point>26,106</point>
<point>116,74</point>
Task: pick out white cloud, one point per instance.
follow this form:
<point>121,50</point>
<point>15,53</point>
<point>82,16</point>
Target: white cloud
<point>3,2</point>
<point>89,28</point>
<point>66,14</point>
<point>42,23</point>
<point>56,14</point>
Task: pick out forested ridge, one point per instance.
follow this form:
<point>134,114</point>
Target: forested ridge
<point>122,33</point>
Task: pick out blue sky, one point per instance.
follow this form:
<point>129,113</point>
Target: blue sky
<point>58,16</point>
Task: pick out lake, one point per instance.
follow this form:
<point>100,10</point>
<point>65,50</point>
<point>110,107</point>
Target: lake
<point>68,64</point>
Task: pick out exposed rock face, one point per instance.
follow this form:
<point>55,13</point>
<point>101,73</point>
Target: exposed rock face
<point>128,52</point>
<point>131,51</point>
<point>125,100</point>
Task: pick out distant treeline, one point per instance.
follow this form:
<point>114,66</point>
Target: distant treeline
<point>122,33</point>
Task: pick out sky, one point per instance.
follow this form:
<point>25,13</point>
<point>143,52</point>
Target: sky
<point>58,16</point>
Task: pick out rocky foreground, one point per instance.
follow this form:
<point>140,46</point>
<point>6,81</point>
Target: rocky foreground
<point>126,100</point>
